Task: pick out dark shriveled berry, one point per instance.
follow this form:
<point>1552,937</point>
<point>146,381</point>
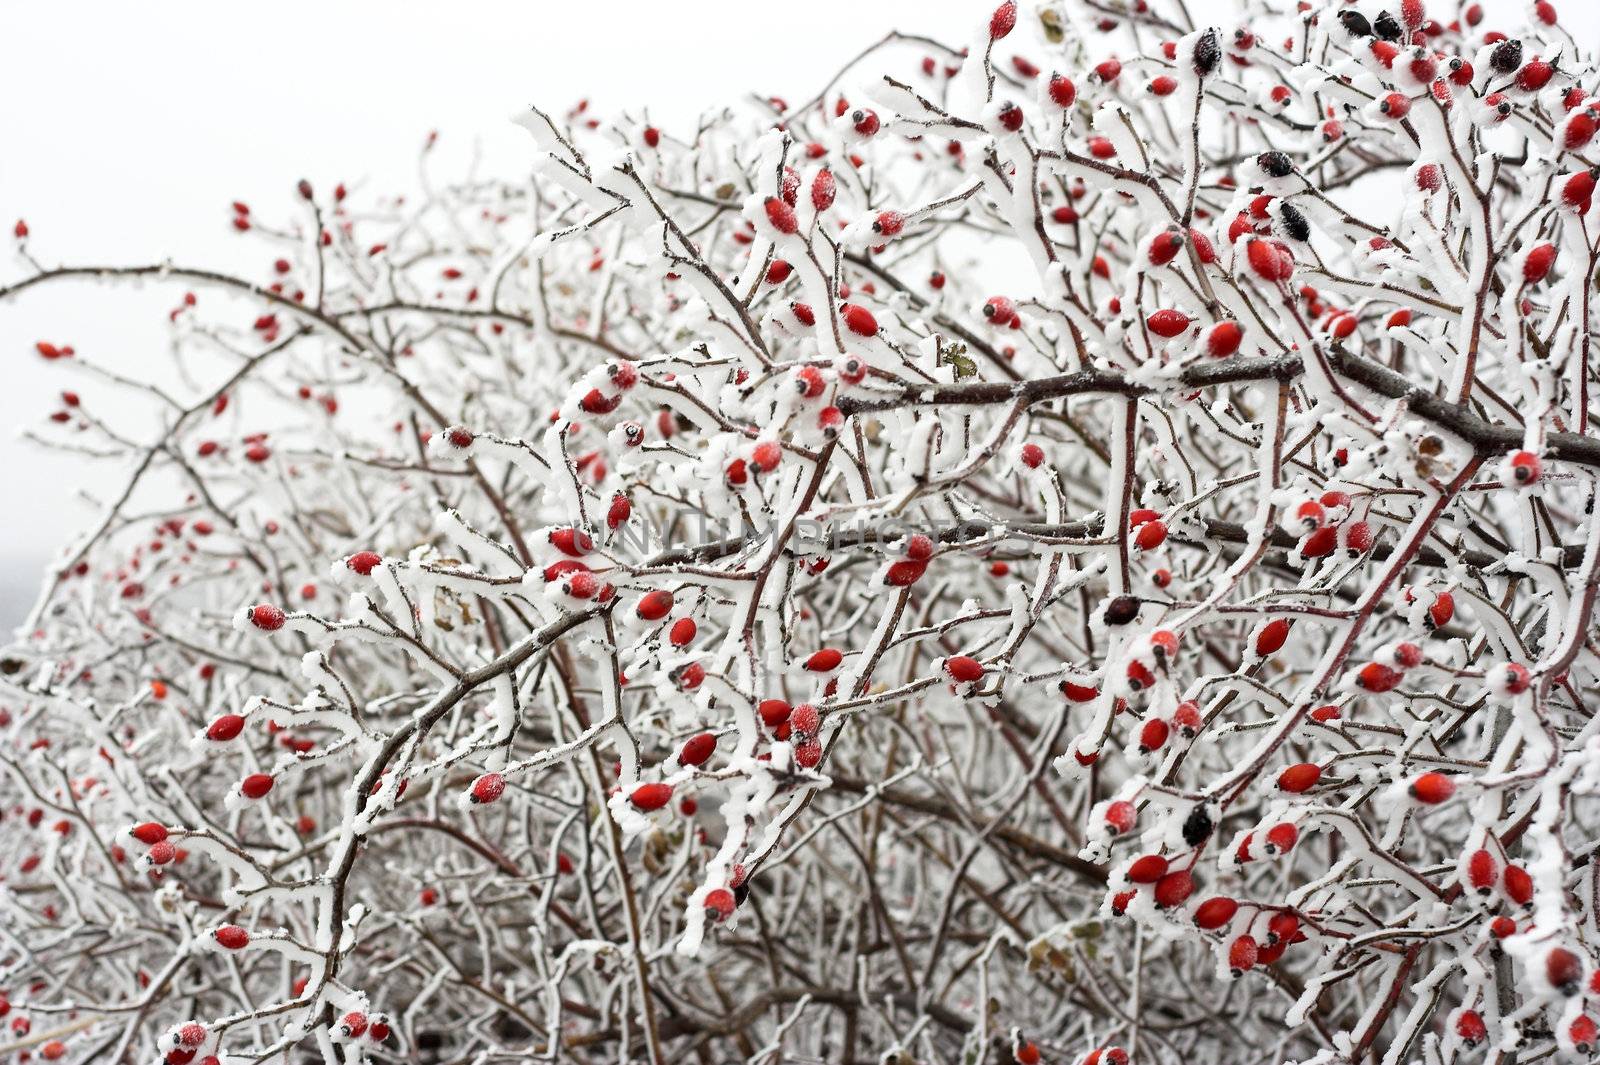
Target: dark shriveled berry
<point>1294,223</point>
<point>1506,57</point>
<point>1207,53</point>
<point>1121,610</point>
<point>1355,23</point>
<point>1197,826</point>
<point>1275,164</point>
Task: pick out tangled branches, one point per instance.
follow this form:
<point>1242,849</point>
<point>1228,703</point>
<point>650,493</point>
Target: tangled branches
<point>1079,548</point>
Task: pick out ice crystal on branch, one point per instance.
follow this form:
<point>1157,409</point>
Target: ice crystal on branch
<point>1073,545</point>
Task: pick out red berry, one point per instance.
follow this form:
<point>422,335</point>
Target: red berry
<point>825,660</point>
<point>225,728</point>
<point>266,617</point>
<point>1215,912</point>
<point>1299,778</point>
<point>487,788</point>
<point>231,936</point>
<point>1242,954</point>
<point>654,605</point>
<point>654,796</point>
<point>1120,816</point>
<point>1147,870</point>
<point>1003,21</point>
<point>1432,788</point>
<point>1167,323</point>
<point>697,749</point>
<point>781,215</point>
<point>256,785</point>
<point>149,834</point>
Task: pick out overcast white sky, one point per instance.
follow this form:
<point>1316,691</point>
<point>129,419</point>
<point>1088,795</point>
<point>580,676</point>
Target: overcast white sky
<point>128,128</point>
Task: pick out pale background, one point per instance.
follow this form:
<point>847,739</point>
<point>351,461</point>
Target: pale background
<point>128,128</point>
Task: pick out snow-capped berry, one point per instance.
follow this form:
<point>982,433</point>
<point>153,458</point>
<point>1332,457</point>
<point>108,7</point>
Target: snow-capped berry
<point>1010,117</point>
<point>1432,788</point>
<point>231,936</point>
<point>654,605</point>
<point>364,562</point>
<point>256,785</point>
<point>1153,735</point>
<point>1300,777</point>
<point>652,796</point>
<point>1031,455</point>
<point>353,1025</point>
<point>781,215</point>
<point>266,617</point>
<point>487,788</point>
<point>225,728</point>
